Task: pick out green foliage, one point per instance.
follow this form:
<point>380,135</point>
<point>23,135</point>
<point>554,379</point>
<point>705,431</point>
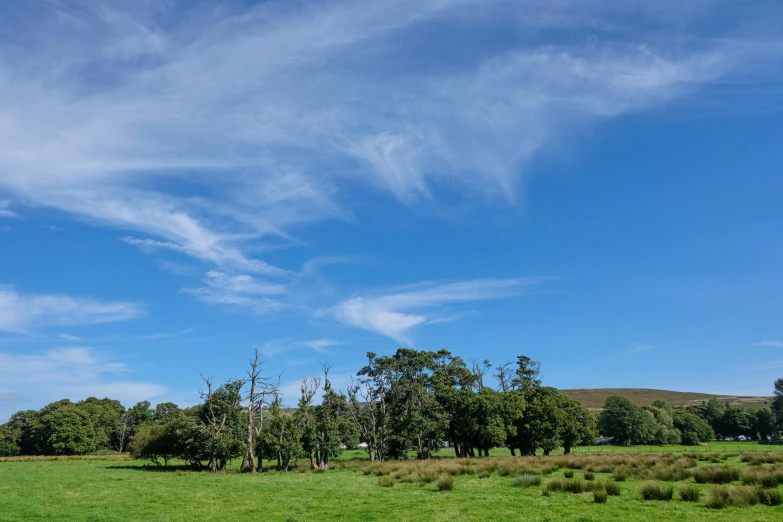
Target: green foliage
<point>154,442</point>
<point>599,496</point>
<point>626,422</point>
<point>69,431</point>
<point>281,438</point>
<point>777,403</point>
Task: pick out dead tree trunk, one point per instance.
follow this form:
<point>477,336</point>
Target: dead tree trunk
<point>214,425</point>
<point>255,404</point>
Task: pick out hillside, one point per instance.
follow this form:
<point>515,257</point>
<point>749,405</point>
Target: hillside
<point>593,398</point>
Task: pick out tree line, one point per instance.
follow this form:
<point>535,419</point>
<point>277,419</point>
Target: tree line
<point>408,404</point>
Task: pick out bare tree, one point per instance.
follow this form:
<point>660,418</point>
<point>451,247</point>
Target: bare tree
<point>308,388</point>
<point>123,429</point>
<point>215,424</point>
<point>504,375</point>
<point>259,387</point>
<point>479,370</point>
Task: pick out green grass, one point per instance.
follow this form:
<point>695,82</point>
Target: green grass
<point>102,490</point>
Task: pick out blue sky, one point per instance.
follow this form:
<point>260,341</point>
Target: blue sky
<point>594,184</point>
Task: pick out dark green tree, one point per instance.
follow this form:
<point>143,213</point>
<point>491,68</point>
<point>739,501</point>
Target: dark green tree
<point>625,422</point>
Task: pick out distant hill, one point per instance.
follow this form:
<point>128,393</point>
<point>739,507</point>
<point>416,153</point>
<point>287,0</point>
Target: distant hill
<point>594,398</point>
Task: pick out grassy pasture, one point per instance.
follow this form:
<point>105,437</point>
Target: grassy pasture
<point>594,398</point>
<point>497,487</point>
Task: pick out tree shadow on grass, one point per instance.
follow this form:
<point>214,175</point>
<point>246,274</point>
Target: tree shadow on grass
<point>154,468</point>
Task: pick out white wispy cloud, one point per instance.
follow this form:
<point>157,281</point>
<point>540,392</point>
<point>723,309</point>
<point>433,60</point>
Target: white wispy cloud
<point>774,344</point>
<point>176,132</point>
<point>321,345</point>
<point>241,290</point>
<point>396,313</point>
<point>6,212</point>
<point>75,373</point>
<point>639,348</point>
<point>20,311</point>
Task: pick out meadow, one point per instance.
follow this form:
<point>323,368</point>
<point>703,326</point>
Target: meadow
<point>495,487</point>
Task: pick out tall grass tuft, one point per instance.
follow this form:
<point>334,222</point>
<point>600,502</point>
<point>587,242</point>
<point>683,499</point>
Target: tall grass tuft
<point>657,491</point>
<point>612,488</point>
<point>720,497</point>
<point>527,481</point>
<point>689,492</point>
<point>620,474</point>
<point>599,496</point>
<point>387,481</point>
<point>771,497</point>
<point>445,482</point>
<point>716,475</point>
<point>569,473</point>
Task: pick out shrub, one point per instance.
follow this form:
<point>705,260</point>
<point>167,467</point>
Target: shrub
<point>589,475</point>
<point>484,473</point>
<point>657,491</point>
<point>569,473</point>
<point>386,481</point>
<point>689,493</point>
<point>599,496</point>
<point>716,475</point>
<point>527,481</point>
<point>612,488</point>
<point>771,497</point>
<point>445,482</point>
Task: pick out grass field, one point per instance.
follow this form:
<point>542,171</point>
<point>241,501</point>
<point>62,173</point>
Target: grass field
<point>129,490</point>
<point>594,398</point>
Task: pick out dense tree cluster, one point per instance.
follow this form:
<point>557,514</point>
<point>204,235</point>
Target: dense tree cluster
<point>77,428</point>
<point>409,403</point>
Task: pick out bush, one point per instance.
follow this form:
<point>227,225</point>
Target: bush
<point>445,483</point>
<point>716,475</point>
<point>484,473</point>
<point>599,496</point>
<point>612,488</point>
<point>569,473</point>
<point>589,475</point>
<point>657,491</point>
<point>689,493</point>
<point>527,481</point>
<point>386,481</point>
